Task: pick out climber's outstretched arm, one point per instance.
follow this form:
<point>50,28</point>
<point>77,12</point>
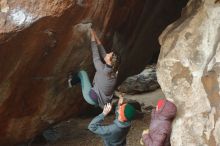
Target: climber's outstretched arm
<point>95,53</point>
<point>100,46</point>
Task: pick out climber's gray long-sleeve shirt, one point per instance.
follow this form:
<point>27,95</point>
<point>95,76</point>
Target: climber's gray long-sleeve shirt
<point>103,84</point>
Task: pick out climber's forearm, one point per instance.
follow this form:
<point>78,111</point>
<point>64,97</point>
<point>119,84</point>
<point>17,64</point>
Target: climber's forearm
<point>92,35</point>
<point>97,39</point>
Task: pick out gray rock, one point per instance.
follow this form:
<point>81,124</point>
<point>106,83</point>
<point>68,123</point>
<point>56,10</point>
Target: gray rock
<point>143,82</point>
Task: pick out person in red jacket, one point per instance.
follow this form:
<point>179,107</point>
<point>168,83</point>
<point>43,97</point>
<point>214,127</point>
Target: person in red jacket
<point>160,125</point>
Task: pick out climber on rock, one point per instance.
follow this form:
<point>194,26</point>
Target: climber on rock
<point>115,133</point>
<point>160,125</point>
<point>104,81</point>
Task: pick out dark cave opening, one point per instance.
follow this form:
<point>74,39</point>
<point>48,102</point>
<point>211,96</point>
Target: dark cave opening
<point>140,45</point>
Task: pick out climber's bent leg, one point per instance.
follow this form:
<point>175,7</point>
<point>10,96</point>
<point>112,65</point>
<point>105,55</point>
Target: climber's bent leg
<point>86,87</point>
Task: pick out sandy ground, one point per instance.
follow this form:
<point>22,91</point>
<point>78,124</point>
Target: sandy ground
<point>74,132</point>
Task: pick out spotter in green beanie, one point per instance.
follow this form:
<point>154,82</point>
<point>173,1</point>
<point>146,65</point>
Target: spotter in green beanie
<point>130,112</point>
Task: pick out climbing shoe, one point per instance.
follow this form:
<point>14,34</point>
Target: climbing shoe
<point>73,79</point>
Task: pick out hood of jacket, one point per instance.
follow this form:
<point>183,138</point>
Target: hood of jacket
<point>167,111</point>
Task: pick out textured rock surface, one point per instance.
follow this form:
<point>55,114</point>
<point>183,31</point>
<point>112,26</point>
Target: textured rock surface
<point>144,82</point>
<point>40,43</point>
<point>189,73</point>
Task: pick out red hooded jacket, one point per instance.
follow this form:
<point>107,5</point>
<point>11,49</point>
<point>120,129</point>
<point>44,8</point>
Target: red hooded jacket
<point>161,125</point>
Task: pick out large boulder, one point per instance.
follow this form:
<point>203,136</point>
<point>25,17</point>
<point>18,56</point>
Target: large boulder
<point>143,82</point>
<point>41,41</point>
<point>189,73</point>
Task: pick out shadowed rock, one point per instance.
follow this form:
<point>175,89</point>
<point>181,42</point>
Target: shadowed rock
<point>144,82</point>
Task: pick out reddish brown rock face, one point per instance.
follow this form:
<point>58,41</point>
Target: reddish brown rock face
<point>42,41</point>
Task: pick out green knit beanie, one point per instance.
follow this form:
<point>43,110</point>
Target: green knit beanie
<point>130,112</point>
